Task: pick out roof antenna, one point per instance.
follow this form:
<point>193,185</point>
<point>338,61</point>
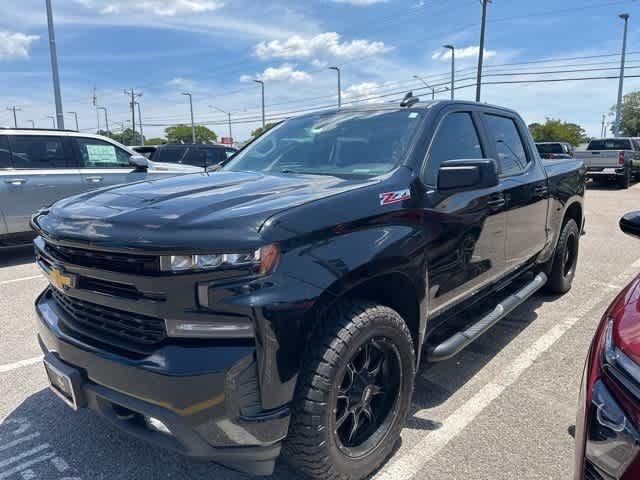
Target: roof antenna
<point>409,100</point>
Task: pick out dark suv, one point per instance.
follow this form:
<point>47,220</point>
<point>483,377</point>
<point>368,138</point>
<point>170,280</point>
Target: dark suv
<point>285,301</point>
<point>197,155</point>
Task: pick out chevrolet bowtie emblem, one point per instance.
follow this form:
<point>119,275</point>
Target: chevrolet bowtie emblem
<point>61,280</point>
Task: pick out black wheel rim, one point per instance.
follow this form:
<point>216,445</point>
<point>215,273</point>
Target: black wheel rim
<point>367,397</point>
<point>570,254</point>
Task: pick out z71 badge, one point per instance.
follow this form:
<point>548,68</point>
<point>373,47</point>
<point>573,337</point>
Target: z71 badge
<point>388,198</point>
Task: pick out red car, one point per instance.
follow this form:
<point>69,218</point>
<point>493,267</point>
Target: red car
<point>608,424</point>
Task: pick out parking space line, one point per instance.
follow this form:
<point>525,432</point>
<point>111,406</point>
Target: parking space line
<point>20,456</point>
<point>19,441</point>
<point>26,465</point>
<point>409,464</point>
<point>22,363</point>
<point>21,279</point>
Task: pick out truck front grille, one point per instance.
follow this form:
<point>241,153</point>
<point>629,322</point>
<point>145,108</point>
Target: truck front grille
<point>124,330</point>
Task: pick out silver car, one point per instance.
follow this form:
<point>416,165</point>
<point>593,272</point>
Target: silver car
<point>39,167</point>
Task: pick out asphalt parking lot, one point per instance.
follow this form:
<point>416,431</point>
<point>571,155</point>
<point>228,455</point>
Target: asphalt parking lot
<point>502,409</point>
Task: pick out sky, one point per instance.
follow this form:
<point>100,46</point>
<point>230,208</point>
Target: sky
<point>214,49</point>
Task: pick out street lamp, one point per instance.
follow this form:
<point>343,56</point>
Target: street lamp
<point>140,123</point>
<point>453,69</point>
<point>337,69</point>
<point>33,124</point>
<point>54,66</point>
<point>625,17</point>
<point>228,114</point>
<point>193,125</point>
<point>433,90</point>
<point>53,120</point>
<point>76,115</point>
<point>261,83</point>
<point>106,118</point>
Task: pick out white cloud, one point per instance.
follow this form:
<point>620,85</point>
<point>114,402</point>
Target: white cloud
<point>15,44</point>
<point>461,53</point>
<point>323,44</point>
<point>362,91</point>
<point>285,72</point>
<point>182,83</point>
<point>165,8</point>
<point>360,3</point>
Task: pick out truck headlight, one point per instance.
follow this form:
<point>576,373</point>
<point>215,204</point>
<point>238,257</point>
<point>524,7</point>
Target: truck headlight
<point>264,260</point>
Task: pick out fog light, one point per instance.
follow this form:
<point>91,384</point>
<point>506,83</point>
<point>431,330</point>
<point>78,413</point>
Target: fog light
<point>157,425</point>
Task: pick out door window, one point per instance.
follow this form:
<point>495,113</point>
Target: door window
<point>5,154</point>
<point>456,139</point>
<point>38,152</point>
<point>96,153</point>
<point>512,156</point>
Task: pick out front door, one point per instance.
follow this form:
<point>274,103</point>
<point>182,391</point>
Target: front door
<point>465,230</point>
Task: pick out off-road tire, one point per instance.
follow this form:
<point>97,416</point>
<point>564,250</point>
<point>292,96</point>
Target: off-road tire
<point>312,446</point>
<point>562,275</point>
<point>624,181</point>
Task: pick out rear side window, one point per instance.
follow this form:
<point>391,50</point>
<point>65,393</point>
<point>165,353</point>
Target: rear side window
<point>96,153</point>
<point>456,139</point>
<point>636,145</point>
<point>171,154</point>
<point>512,156</point>
<point>547,148</point>
<point>5,154</point>
<point>38,152</point>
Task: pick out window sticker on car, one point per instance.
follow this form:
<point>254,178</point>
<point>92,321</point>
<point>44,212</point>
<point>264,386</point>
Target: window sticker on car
<point>388,198</point>
<point>102,154</point>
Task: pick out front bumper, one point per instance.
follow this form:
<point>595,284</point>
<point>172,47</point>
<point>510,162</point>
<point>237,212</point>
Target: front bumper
<point>207,395</point>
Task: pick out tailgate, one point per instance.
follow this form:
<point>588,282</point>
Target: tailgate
<point>600,158</point>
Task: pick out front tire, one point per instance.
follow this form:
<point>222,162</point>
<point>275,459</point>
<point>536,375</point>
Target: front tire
<point>353,394</point>
<point>565,258</point>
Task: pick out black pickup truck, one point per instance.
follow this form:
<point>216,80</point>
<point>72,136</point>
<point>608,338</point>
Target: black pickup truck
<point>286,301</point>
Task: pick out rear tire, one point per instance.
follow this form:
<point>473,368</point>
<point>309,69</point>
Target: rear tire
<point>624,181</point>
<point>565,258</point>
<point>353,394</point>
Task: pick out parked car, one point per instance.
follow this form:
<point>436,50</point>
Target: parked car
<point>608,423</point>
<point>39,167</point>
<point>555,150</point>
<point>199,155</point>
<point>612,159</point>
<point>146,150</point>
<point>285,302</point>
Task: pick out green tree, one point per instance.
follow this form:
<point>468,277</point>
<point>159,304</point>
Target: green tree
<point>261,130</point>
<point>182,134</point>
<point>155,141</point>
<point>126,137</point>
<point>629,115</point>
<point>554,130</point>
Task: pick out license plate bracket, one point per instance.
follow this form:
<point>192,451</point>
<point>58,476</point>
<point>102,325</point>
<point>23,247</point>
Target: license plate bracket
<point>64,381</point>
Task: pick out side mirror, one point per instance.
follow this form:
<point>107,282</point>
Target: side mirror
<point>630,223</point>
<point>468,174</point>
<point>140,162</point>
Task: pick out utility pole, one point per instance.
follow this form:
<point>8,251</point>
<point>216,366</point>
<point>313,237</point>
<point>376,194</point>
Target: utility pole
<point>94,102</point>
<point>481,52</point>
<point>54,67</point>
<point>76,115</point>
<point>133,94</point>
<point>193,125</point>
<point>53,120</point>
<point>433,90</point>
<point>337,69</point>
<point>140,123</point>
<point>616,128</point>
<point>14,109</point>
<point>228,114</point>
<point>453,69</point>
<point>106,120</point>
<point>261,83</point>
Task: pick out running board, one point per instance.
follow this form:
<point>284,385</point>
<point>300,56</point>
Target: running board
<point>460,340</point>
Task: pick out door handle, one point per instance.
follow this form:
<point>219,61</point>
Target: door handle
<point>94,179</point>
<point>16,181</point>
<point>496,202</point>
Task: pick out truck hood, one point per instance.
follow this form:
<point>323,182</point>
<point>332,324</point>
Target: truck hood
<point>191,212</point>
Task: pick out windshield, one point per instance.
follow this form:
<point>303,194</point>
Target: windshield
<point>610,144</point>
<point>545,148</point>
<point>340,143</point>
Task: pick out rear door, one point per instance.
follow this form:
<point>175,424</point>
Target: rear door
<point>466,229</point>
<point>525,188</point>
<point>5,165</point>
<point>104,164</point>
<point>42,172</point>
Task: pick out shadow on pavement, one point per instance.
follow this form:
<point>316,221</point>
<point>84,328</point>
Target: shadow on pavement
<point>13,256</point>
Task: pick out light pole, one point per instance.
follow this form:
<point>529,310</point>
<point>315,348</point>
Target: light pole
<point>453,69</point>
<point>140,123</point>
<point>15,117</point>
<point>261,83</point>
<point>616,128</point>
<point>33,124</point>
<point>53,120</point>
<point>193,125</point>
<point>76,115</point>
<point>228,114</point>
<point>433,90</point>
<point>481,52</point>
<point>337,69</point>
<point>54,66</point>
<point>106,119</point>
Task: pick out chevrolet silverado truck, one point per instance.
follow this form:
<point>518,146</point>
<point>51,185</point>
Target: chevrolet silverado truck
<point>612,159</point>
<point>285,302</point>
